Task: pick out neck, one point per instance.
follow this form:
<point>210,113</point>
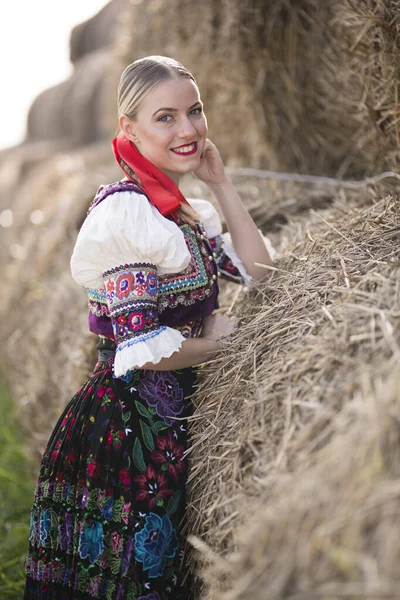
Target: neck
<point>172,175</point>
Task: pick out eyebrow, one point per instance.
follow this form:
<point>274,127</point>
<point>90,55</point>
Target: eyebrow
<point>169,109</point>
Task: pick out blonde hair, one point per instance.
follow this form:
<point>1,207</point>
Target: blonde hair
<point>137,81</point>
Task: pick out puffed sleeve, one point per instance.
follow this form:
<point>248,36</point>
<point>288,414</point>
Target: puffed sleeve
<point>122,247</point>
<point>228,261</point>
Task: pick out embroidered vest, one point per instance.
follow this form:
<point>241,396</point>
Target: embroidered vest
<point>182,299</point>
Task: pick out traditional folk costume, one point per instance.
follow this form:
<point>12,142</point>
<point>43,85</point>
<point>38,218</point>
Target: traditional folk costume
<point>110,498</point>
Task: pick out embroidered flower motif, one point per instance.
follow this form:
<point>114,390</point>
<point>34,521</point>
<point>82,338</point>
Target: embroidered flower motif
<point>124,476</point>
<point>45,525</point>
<point>116,541</point>
<point>140,277</point>
<point>109,440</point>
<point>136,321</point>
<point>85,497</point>
<point>110,285</point>
<point>103,390</point>
<point>126,556</point>
<point>93,469</point>
<point>94,587</point>
<point>32,528</point>
<point>125,512</point>
<point>70,457</point>
<point>91,543</point>
<point>54,455</point>
<point>58,572</point>
<point>65,419</point>
<point>121,594</point>
<point>139,289</point>
<point>107,509</point>
<point>121,320</point>
<point>161,390</point>
<point>65,531</point>
<point>124,285</point>
<point>153,487</point>
<point>47,573</point>
<point>151,283</point>
<point>152,317</point>
<point>156,542</point>
<point>169,455</point>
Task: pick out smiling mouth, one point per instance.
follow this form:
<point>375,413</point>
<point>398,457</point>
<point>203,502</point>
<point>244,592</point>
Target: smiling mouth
<point>186,150</point>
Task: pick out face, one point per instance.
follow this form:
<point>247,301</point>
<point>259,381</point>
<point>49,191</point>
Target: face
<point>170,128</point>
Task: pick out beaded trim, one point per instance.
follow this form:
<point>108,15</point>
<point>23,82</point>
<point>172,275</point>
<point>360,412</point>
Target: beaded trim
<point>226,267</point>
<point>142,338</point>
<point>194,283</point>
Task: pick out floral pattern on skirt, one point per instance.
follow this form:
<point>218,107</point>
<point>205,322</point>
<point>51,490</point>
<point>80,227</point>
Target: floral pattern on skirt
<point>110,499</point>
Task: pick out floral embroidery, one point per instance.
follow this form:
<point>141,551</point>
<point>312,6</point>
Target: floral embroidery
<point>129,283</point>
<point>65,531</point>
<point>136,321</point>
<point>133,306</point>
<point>91,543</point>
<point>153,487</point>
<point>45,525</point>
<point>161,390</point>
<point>123,285</point>
<point>154,543</point>
<point>151,283</point>
<point>169,455</point>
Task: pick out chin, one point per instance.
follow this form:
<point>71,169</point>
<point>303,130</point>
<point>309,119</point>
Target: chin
<point>189,165</point>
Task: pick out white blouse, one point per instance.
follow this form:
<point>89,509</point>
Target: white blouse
<point>126,228</point>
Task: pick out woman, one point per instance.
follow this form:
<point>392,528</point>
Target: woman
<point>110,497</point>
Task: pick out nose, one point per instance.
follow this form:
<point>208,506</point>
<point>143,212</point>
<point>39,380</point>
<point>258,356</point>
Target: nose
<point>186,129</point>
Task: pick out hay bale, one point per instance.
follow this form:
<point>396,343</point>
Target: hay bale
<point>97,33</point>
<point>49,351</point>
<point>313,343</point>
<point>72,111</point>
<point>308,86</point>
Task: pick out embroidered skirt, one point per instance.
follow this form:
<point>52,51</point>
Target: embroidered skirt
<point>110,498</point>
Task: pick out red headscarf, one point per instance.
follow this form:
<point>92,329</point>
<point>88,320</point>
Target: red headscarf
<point>158,187</point>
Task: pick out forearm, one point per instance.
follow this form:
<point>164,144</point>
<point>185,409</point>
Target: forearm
<point>193,351</point>
<point>246,238</point>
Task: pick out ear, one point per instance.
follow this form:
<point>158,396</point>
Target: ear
<point>129,129</point>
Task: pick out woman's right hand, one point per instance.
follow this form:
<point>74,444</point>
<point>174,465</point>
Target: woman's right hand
<point>218,326</point>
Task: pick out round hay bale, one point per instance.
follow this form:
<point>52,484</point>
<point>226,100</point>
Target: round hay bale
<point>97,33</point>
<point>73,110</point>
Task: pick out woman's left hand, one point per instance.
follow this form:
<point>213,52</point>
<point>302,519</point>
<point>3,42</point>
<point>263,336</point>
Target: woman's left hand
<point>211,169</point>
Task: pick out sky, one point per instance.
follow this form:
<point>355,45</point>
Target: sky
<point>34,51</point>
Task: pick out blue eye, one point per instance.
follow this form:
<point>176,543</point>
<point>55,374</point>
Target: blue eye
<point>164,118</point>
<point>196,111</point>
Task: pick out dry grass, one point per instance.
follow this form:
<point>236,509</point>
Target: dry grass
<point>279,440</point>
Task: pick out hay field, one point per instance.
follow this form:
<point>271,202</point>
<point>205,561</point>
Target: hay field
<point>293,490</point>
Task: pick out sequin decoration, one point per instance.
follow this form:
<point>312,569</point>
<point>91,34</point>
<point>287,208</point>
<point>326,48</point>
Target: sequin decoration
<point>225,265</point>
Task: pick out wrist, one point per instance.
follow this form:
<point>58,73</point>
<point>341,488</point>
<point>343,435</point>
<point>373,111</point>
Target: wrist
<point>213,345</point>
<point>218,186</point>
